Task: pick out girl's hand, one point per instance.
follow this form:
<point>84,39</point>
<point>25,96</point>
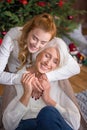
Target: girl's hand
<point>46,93</point>
<point>38,89</point>
<point>41,84</point>
<point>44,81</point>
<point>46,85</point>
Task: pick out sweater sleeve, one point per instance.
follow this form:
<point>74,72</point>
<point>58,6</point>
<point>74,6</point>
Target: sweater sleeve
<point>70,113</point>
<point>70,69</point>
<point>5,51</point>
<point>13,114</point>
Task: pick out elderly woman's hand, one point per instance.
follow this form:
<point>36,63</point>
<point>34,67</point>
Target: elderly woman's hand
<point>27,83</point>
<point>37,89</point>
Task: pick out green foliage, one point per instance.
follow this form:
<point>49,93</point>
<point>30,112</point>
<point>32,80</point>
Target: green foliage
<point>17,12</point>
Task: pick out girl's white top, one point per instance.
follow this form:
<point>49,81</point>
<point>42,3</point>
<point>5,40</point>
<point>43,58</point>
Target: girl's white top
<point>9,56</point>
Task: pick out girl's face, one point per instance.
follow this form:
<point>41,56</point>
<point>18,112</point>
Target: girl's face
<point>37,39</point>
<point>47,60</point>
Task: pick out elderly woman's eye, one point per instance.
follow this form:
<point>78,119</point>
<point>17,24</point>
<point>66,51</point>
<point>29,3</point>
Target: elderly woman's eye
<point>55,62</point>
<point>47,55</point>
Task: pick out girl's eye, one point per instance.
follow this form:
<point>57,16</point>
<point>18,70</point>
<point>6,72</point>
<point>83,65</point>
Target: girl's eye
<point>43,43</point>
<point>34,38</point>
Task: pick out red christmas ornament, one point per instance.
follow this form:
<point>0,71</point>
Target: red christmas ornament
<point>4,32</point>
<point>0,41</point>
<point>42,4</point>
<point>60,3</point>
<point>9,1</point>
<point>73,49</point>
<point>70,17</point>
<point>80,56</point>
<point>24,2</point>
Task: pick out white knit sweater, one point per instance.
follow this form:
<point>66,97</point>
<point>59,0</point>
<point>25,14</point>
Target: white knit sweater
<point>16,111</point>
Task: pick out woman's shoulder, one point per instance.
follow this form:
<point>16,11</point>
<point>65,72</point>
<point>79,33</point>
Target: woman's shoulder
<point>15,29</point>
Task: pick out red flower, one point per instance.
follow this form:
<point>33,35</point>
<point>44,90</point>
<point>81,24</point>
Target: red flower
<point>0,41</point>
<point>9,1</point>
<point>60,3</point>
<point>42,4</point>
<point>24,2</point>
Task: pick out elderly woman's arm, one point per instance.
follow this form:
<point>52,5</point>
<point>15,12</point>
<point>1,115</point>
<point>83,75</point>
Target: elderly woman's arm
<point>62,103</point>
<point>13,114</point>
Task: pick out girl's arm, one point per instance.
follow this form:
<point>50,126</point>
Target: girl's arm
<point>70,69</point>
<point>6,50</point>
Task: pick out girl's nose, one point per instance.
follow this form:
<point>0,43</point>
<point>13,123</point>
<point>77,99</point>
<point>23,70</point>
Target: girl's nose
<point>38,44</point>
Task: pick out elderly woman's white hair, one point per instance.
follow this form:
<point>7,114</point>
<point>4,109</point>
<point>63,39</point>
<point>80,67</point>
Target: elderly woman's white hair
<point>60,45</point>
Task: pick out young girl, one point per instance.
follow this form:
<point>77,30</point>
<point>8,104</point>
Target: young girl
<point>53,110</point>
<point>20,42</point>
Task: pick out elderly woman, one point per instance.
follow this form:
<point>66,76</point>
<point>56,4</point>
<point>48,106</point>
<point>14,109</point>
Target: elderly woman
<point>54,110</point>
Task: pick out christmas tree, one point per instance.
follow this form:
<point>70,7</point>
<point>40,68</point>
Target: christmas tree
<point>17,12</point>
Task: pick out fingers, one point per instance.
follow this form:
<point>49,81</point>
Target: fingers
<point>36,95</point>
<point>26,77</point>
<point>36,84</point>
<point>31,83</point>
<point>27,84</point>
<point>43,77</point>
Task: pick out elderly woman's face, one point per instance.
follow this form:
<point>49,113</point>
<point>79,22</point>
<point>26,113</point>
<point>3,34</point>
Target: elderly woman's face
<point>47,60</point>
<point>37,39</point>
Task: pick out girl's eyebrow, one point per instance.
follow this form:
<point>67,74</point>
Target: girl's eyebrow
<point>38,38</point>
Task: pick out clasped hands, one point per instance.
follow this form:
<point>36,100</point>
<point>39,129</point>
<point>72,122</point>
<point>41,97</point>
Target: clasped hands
<point>36,87</point>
